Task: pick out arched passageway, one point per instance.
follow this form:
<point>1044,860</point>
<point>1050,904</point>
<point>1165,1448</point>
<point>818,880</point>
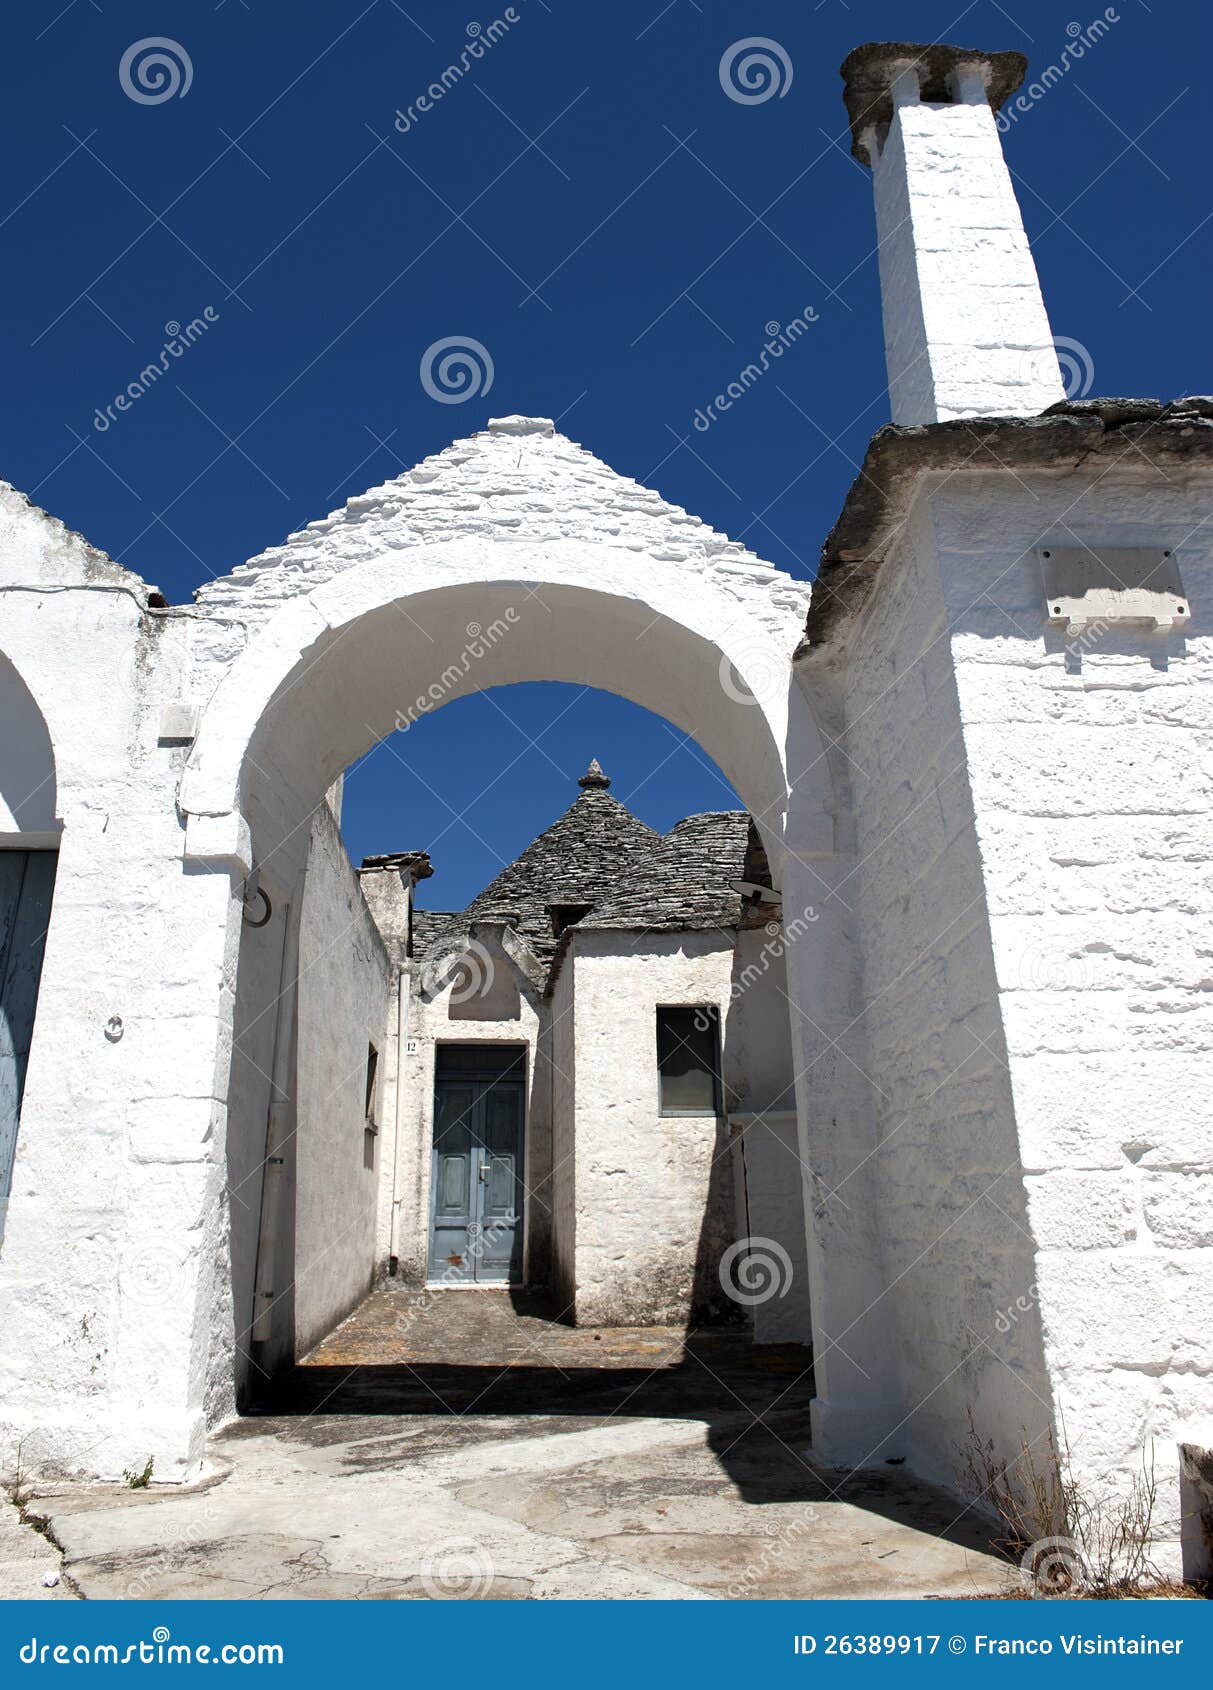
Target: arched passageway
<point>330,674</point>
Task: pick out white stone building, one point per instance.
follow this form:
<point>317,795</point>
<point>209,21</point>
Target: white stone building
<point>596,1092</point>
<point>984,766</point>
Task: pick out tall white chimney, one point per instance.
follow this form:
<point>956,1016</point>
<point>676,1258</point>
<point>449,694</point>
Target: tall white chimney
<point>965,328</point>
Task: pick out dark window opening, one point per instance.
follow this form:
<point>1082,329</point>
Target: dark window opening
<point>372,1079</point>
<point>688,1060</point>
<point>482,1062</point>
<point>567,915</point>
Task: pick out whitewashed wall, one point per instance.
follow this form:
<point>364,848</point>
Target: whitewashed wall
<point>116,1224</point>
<point>563,1045</point>
<point>654,1196</point>
<point>954,1244</point>
<point>1091,766</point>
<point>343,1007</point>
<point>773,1176</point>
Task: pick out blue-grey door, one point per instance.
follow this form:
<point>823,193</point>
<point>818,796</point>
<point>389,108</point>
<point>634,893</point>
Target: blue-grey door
<point>27,880</point>
<point>476,1229</point>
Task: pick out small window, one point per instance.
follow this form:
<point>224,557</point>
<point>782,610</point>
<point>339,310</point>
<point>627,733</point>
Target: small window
<point>372,1077</point>
<point>567,915</point>
<point>688,1060</point>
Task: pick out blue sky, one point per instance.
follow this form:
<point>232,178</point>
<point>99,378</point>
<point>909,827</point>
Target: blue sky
<point>590,206</point>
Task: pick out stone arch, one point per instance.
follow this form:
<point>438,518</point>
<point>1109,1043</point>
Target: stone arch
<point>375,645</point>
<point>338,668</point>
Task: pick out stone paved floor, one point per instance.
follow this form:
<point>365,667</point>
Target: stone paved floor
<point>459,1446</point>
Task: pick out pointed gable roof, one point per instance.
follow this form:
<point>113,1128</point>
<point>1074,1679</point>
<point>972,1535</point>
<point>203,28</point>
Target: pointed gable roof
<point>519,479</point>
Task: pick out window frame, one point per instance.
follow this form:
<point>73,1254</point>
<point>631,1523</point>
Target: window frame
<point>673,1113</point>
<point>372,1087</point>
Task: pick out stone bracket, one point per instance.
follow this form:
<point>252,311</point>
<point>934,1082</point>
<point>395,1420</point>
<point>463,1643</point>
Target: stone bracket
<point>220,842</point>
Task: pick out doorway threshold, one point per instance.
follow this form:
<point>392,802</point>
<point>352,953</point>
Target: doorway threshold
<point>475,1285</point>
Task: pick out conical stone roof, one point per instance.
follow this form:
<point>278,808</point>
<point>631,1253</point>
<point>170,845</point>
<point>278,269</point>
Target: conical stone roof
<point>586,855</point>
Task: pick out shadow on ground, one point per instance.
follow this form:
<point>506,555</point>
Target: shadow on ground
<point>395,1356</point>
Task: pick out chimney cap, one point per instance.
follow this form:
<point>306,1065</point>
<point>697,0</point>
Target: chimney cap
<point>868,72</point>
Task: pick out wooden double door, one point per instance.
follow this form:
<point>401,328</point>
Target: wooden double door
<point>476,1226</point>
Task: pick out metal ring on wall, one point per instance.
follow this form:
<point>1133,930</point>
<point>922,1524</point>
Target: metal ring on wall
<point>260,921</point>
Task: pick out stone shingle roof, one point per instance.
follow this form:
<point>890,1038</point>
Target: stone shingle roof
<point>686,882</point>
<point>599,853</point>
<point>595,847</point>
<point>430,927</point>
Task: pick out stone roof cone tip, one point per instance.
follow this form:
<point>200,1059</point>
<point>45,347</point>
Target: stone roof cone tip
<point>593,780</point>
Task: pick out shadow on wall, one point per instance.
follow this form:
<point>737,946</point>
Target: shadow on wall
<point>28,795</point>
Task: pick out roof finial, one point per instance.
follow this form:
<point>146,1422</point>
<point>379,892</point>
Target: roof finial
<point>593,780</point>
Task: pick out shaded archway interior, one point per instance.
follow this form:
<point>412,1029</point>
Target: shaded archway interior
<point>353,687</point>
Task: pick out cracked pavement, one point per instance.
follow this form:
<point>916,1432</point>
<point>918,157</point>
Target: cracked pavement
<point>465,1445</point>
